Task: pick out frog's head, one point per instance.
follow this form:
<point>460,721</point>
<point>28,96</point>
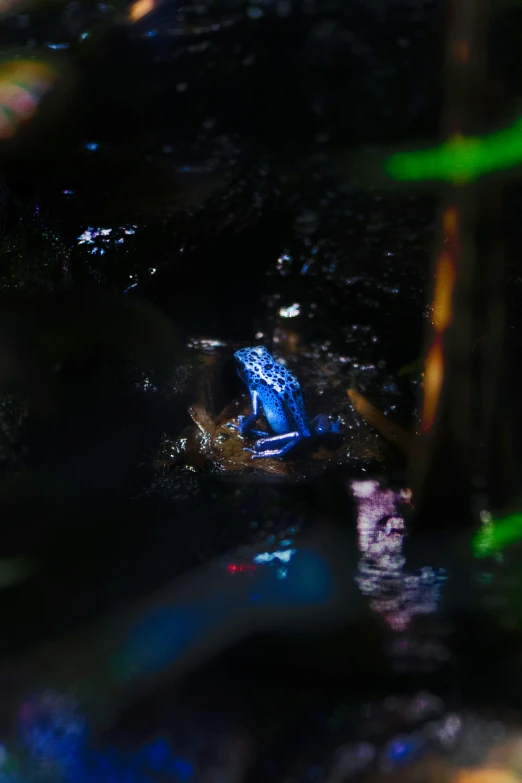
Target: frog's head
<point>250,361</point>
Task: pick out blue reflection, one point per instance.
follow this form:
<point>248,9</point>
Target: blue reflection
<point>184,769</point>
<point>284,556</point>
<point>57,751</point>
<point>51,730</point>
<point>157,753</point>
<point>402,749</point>
<point>307,580</point>
<point>163,636</point>
<point>157,756</point>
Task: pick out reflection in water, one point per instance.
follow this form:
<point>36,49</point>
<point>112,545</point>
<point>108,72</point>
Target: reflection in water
<point>98,237</point>
<point>53,733</point>
<point>407,739</point>
<point>395,594</point>
<point>54,740</point>
<point>412,738</point>
<point>209,609</point>
<point>291,311</point>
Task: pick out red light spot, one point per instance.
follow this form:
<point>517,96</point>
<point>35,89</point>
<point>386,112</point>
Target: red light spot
<point>240,568</point>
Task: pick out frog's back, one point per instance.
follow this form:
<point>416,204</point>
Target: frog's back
<point>279,391</point>
<point>259,370</point>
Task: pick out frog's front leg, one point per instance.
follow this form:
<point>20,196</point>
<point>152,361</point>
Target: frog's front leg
<point>275,445</point>
<point>244,422</point>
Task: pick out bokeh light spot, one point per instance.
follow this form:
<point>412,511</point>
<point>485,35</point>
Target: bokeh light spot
<point>461,158</point>
<point>496,534</point>
<point>433,377</point>
<point>23,84</point>
<point>442,301</point>
<point>139,9</point>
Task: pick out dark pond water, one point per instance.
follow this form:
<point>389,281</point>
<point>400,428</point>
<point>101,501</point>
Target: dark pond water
<point>173,609</point>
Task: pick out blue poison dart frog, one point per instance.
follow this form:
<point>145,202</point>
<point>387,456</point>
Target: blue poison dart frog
<point>275,391</point>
